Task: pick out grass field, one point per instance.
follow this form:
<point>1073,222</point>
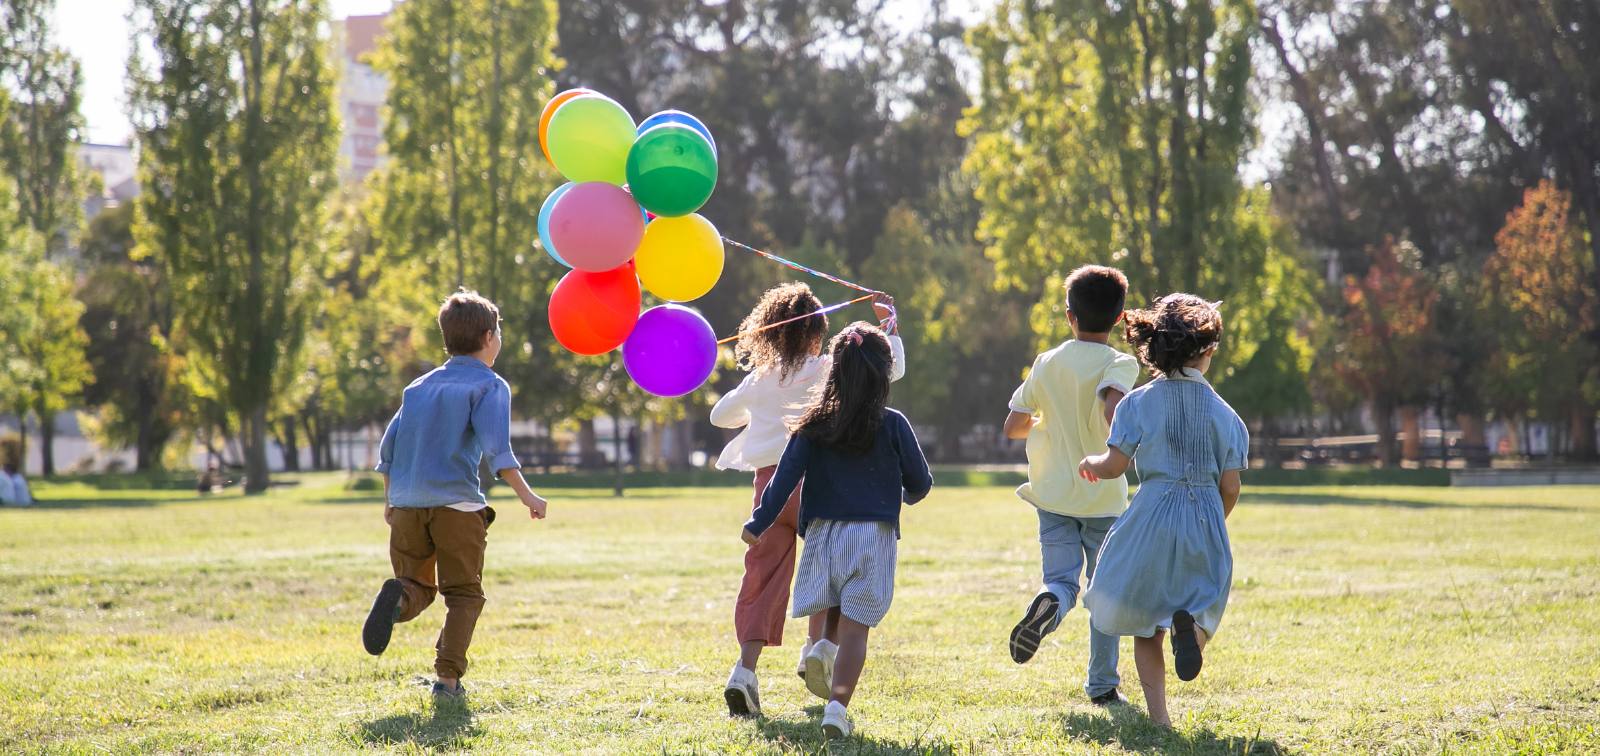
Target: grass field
<point>1363,620</point>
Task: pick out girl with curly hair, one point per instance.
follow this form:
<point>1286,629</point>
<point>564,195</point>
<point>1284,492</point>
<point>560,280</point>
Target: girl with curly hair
<point>786,367</point>
<point>1166,565</point>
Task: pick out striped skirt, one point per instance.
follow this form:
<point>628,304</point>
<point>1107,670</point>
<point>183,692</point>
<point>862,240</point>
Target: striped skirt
<point>849,565</point>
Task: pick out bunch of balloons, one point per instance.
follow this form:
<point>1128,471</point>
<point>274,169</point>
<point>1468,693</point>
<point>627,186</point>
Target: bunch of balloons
<point>626,219</point>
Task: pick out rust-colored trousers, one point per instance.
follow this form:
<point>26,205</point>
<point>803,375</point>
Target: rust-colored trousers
<point>440,550</point>
<point>763,603</point>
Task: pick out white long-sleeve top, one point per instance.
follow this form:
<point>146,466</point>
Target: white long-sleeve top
<point>764,404</point>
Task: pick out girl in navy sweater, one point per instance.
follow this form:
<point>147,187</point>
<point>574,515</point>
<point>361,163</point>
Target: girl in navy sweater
<point>859,460</point>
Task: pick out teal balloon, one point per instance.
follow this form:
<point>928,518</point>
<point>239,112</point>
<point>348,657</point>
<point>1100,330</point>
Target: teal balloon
<point>545,210</point>
<point>672,170</point>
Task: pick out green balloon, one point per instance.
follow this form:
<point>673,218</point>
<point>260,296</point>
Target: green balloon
<point>589,137</point>
<point>671,170</point>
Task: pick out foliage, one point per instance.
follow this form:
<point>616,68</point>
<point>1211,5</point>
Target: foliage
<point>237,138</point>
<point>38,133</point>
<point>1113,134</point>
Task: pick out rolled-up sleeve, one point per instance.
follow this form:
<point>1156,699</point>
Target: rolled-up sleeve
<point>1125,434</point>
<point>386,447</point>
<point>491,421</point>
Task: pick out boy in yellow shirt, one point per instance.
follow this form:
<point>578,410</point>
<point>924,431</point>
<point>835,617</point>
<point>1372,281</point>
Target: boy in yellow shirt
<point>1064,410</point>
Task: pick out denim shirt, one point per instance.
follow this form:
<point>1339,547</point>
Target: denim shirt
<point>448,420</point>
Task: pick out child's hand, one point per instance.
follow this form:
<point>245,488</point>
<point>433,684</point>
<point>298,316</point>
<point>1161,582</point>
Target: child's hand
<point>1086,470</point>
<point>883,307</point>
<point>748,537</point>
<point>536,505</point>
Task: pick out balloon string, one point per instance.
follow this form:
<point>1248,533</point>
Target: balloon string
<point>823,311</point>
<point>799,267</point>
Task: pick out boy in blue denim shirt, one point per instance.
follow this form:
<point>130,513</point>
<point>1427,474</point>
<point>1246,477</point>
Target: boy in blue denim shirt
<point>448,421</point>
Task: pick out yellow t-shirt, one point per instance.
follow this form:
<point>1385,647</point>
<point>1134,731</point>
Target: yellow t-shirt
<point>1064,390</point>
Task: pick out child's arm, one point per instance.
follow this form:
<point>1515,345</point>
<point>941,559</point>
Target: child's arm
<point>1229,486</point>
<point>732,411</point>
<point>791,468</point>
<point>386,456</point>
<point>534,502</point>
<point>1018,425</point>
<point>915,477</point>
<point>1112,464</point>
<point>1111,397</point>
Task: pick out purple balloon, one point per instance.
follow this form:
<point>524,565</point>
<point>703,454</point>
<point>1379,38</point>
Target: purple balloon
<point>671,351</point>
<point>597,226</point>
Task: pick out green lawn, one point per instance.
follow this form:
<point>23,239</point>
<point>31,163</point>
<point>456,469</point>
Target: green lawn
<point>1363,619</point>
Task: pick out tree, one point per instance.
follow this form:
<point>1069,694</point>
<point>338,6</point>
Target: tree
<point>1539,278</point>
<point>1113,133</point>
<point>1391,354</point>
<point>38,135</point>
<point>237,140</point>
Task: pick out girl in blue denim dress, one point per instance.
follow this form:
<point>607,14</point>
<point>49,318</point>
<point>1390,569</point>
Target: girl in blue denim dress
<point>1166,564</point>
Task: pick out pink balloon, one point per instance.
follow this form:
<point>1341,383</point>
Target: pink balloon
<point>597,226</point>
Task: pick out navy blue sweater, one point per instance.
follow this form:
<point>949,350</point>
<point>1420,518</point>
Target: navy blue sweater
<point>840,485</point>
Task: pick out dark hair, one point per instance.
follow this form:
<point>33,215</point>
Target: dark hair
<point>1095,295</point>
<point>847,413</point>
<point>464,318</point>
<point>1173,332</point>
<point>787,346</point>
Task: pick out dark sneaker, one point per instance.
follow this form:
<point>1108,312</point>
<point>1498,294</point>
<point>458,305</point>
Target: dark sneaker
<point>440,691</point>
<point>380,621</point>
<point>1111,697</point>
<point>1185,646</point>
<point>1035,625</point>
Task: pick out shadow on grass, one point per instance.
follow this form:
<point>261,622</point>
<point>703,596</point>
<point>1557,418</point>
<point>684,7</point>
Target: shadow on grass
<point>102,501</point>
<point>806,734</point>
<point>1128,728</point>
<point>1324,499</point>
<point>449,726</point>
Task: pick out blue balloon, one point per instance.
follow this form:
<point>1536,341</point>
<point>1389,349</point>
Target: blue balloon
<point>545,210</point>
<point>678,117</point>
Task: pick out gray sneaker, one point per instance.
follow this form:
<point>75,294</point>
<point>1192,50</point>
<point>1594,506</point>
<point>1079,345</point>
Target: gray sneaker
<point>458,692</point>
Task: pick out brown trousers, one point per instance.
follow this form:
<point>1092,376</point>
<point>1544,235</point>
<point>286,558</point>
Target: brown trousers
<point>440,550</point>
<point>763,602</point>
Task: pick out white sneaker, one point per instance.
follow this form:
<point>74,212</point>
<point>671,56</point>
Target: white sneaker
<point>744,700</point>
<point>835,721</point>
<point>800,667</point>
<point>819,668</point>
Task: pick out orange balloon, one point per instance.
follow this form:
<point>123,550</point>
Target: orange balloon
<point>550,110</point>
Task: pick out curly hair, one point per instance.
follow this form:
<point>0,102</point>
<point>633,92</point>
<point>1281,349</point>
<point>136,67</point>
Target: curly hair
<point>786,347</point>
<point>1173,332</point>
<point>847,413</point>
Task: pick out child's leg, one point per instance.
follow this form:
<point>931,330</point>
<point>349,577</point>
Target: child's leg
<point>1061,560</point>
<point>1102,648</point>
<point>411,552</point>
<point>830,623</point>
<point>763,603</point>
<point>817,627</point>
<point>852,640</point>
<point>461,537</point>
<point>1152,666</point>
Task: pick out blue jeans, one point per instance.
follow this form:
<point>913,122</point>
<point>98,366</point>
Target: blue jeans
<point>1070,546</point>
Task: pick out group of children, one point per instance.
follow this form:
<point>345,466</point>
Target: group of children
<point>833,464</point>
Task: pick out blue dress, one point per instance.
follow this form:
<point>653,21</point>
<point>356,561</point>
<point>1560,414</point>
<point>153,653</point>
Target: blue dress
<point>1170,550</point>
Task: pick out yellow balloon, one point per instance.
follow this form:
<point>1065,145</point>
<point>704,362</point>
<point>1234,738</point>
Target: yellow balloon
<point>680,258</point>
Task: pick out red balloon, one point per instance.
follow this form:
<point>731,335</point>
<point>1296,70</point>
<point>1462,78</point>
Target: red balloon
<point>593,313</point>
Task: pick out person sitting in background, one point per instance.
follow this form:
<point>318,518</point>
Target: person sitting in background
<point>13,488</point>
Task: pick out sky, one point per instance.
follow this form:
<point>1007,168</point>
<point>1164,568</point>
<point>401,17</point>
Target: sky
<point>97,31</point>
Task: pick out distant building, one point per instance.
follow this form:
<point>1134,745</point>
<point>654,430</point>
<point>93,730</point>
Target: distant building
<point>118,172</point>
<point>361,94</point>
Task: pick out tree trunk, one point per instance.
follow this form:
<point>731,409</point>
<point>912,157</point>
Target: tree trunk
<point>1383,416</point>
<point>588,445</point>
<point>1474,439</point>
<point>22,440</point>
<point>1582,431</point>
<point>1411,433</point>
<point>291,447</point>
<point>256,474</point>
<point>146,452</point>
<point>616,448</point>
<point>47,443</point>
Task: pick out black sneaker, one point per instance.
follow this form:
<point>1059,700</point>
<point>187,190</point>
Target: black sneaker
<point>440,691</point>
<point>380,621</point>
<point>1035,625</point>
<point>1185,646</point>
<point>1111,697</point>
